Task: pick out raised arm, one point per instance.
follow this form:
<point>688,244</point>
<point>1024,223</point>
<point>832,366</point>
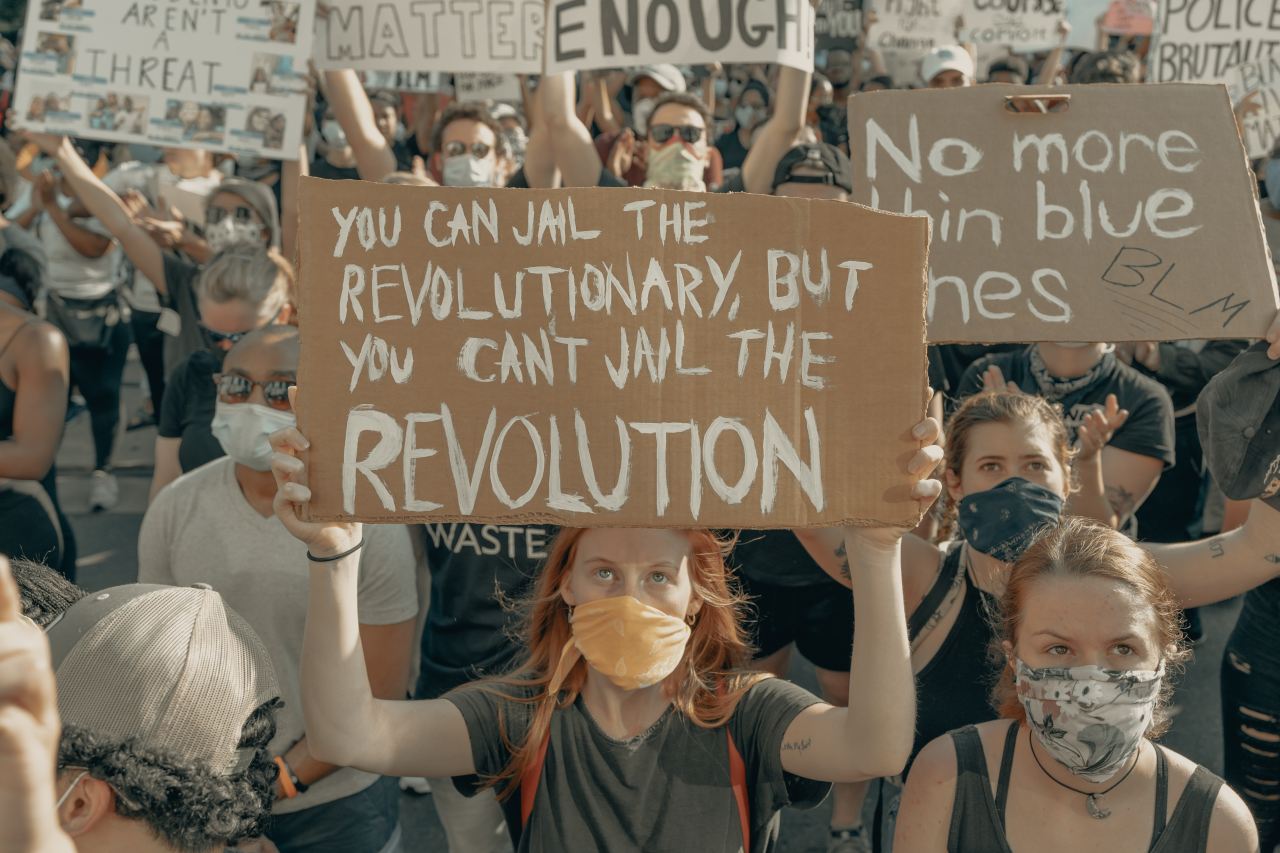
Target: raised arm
<point>106,207</point>
<point>571,146</point>
<point>829,743</point>
<point>1226,565</point>
<point>345,723</point>
<point>374,157</point>
<point>777,137</point>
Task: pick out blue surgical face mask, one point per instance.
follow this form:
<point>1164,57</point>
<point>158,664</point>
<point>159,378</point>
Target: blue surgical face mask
<point>1003,522</point>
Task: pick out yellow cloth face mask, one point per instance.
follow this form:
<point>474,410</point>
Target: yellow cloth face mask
<point>628,642</point>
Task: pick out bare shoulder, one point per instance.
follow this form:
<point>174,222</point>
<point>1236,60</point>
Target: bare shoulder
<point>925,811</point>
<point>42,341</point>
<point>921,562</point>
<point>1231,829</point>
<point>936,763</point>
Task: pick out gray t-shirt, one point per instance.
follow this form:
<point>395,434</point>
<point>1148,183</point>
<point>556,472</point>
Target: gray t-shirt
<point>665,790</point>
<point>200,529</point>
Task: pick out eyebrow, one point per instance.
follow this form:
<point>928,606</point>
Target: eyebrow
<point>1055,635</point>
<point>658,564</point>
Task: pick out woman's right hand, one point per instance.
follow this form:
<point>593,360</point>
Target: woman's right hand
<point>322,538</point>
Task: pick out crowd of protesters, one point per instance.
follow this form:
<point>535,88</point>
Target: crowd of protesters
<point>996,680</point>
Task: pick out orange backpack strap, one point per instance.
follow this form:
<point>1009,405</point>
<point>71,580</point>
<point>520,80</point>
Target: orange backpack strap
<point>738,780</point>
<point>530,779</point>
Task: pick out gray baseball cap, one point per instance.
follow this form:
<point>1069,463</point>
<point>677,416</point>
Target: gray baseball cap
<point>167,668</point>
<point>1238,418</point>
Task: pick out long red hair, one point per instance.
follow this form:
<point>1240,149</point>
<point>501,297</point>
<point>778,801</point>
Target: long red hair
<point>705,687</point>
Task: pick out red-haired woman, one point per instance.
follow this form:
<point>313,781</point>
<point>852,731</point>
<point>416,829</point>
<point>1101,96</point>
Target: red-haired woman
<point>634,723</point>
<point>1089,632</point>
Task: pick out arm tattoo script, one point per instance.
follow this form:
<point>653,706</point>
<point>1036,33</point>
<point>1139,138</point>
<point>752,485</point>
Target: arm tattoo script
<point>797,745</point>
<point>1122,501</point>
<point>1216,548</point>
<point>843,556</point>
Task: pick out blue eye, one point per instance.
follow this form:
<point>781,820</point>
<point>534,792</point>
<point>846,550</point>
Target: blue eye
<point>604,574</point>
<point>660,578</point>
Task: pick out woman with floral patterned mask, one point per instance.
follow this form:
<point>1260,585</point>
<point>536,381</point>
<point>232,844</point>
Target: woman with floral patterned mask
<point>1090,635</point>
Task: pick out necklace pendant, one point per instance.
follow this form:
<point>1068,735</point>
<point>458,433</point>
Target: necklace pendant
<point>1095,808</point>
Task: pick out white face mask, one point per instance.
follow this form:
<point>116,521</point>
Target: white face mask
<point>675,167</point>
<point>334,135</point>
<point>748,116</point>
<point>243,430</point>
<point>465,170</point>
<point>640,112</point>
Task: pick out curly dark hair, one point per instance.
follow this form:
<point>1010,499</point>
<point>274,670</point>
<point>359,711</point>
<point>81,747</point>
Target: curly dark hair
<point>186,804</point>
<point>686,99</point>
<point>24,268</point>
<point>43,593</point>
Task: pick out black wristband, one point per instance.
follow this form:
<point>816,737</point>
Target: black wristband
<point>313,558</point>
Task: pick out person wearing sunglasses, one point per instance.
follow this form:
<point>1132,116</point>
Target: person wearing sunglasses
<point>243,288</point>
<point>470,149</point>
<point>677,150</point>
<point>216,525</point>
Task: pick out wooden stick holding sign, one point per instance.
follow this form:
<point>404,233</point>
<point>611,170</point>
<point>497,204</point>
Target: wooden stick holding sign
<point>605,357</point>
<point>1076,213</point>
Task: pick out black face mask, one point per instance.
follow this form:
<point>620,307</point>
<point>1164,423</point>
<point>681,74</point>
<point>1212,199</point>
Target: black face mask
<point>1003,522</point>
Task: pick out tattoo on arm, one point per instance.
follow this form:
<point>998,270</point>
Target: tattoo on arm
<point>1122,501</point>
<point>843,556</point>
<point>797,745</point>
<point>1273,559</point>
<point>1216,548</point>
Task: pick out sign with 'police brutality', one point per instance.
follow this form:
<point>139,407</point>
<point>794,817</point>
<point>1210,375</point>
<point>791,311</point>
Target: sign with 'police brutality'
<point>608,357</point>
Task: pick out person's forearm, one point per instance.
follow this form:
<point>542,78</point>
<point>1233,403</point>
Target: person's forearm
<point>337,704</point>
<point>21,461</point>
<point>105,205</point>
<point>28,217</point>
<point>304,765</point>
<point>1049,68</point>
<point>88,244</point>
<point>571,146</point>
<point>1091,499</point>
<point>778,136</point>
<point>1225,565</point>
<point>606,118</point>
<point>881,685</point>
<point>374,159</point>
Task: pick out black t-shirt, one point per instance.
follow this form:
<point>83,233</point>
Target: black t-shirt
<point>732,150</point>
<point>180,274</point>
<point>322,168</point>
<point>1147,432</point>
<point>776,557</point>
<point>187,411</point>
<point>667,789</point>
<point>519,181</point>
<point>948,362</point>
<point>477,571</point>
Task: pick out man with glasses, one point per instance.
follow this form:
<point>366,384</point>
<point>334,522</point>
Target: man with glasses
<point>158,751</point>
<point>470,149</point>
<point>677,149</point>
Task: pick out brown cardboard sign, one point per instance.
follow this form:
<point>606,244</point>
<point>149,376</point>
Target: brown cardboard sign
<point>608,357</point>
<point>1088,213</point>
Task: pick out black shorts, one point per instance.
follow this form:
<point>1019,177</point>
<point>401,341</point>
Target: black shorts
<point>818,618</point>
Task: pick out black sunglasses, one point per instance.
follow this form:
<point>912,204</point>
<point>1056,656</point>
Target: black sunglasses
<point>235,388</point>
<point>662,133</point>
<point>479,150</point>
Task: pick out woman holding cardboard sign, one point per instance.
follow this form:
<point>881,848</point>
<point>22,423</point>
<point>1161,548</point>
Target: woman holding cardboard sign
<point>633,723</point>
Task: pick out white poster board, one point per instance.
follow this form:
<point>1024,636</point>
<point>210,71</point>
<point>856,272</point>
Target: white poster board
<point>589,34</point>
<point>487,87</point>
<point>406,81</point>
<point>908,25</point>
<point>1024,25</point>
<point>1259,82</point>
<point>226,76</point>
<point>1202,43</point>
<point>431,35</point>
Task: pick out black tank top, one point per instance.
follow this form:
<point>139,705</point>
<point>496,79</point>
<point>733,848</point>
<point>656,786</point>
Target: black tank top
<point>977,822</point>
<point>953,689</point>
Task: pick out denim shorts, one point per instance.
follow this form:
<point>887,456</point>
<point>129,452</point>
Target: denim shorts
<point>361,823</point>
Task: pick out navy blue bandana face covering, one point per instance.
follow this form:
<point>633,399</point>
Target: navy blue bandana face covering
<point>1004,521</point>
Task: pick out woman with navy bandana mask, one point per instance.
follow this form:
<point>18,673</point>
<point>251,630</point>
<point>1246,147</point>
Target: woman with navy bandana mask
<point>1010,471</point>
